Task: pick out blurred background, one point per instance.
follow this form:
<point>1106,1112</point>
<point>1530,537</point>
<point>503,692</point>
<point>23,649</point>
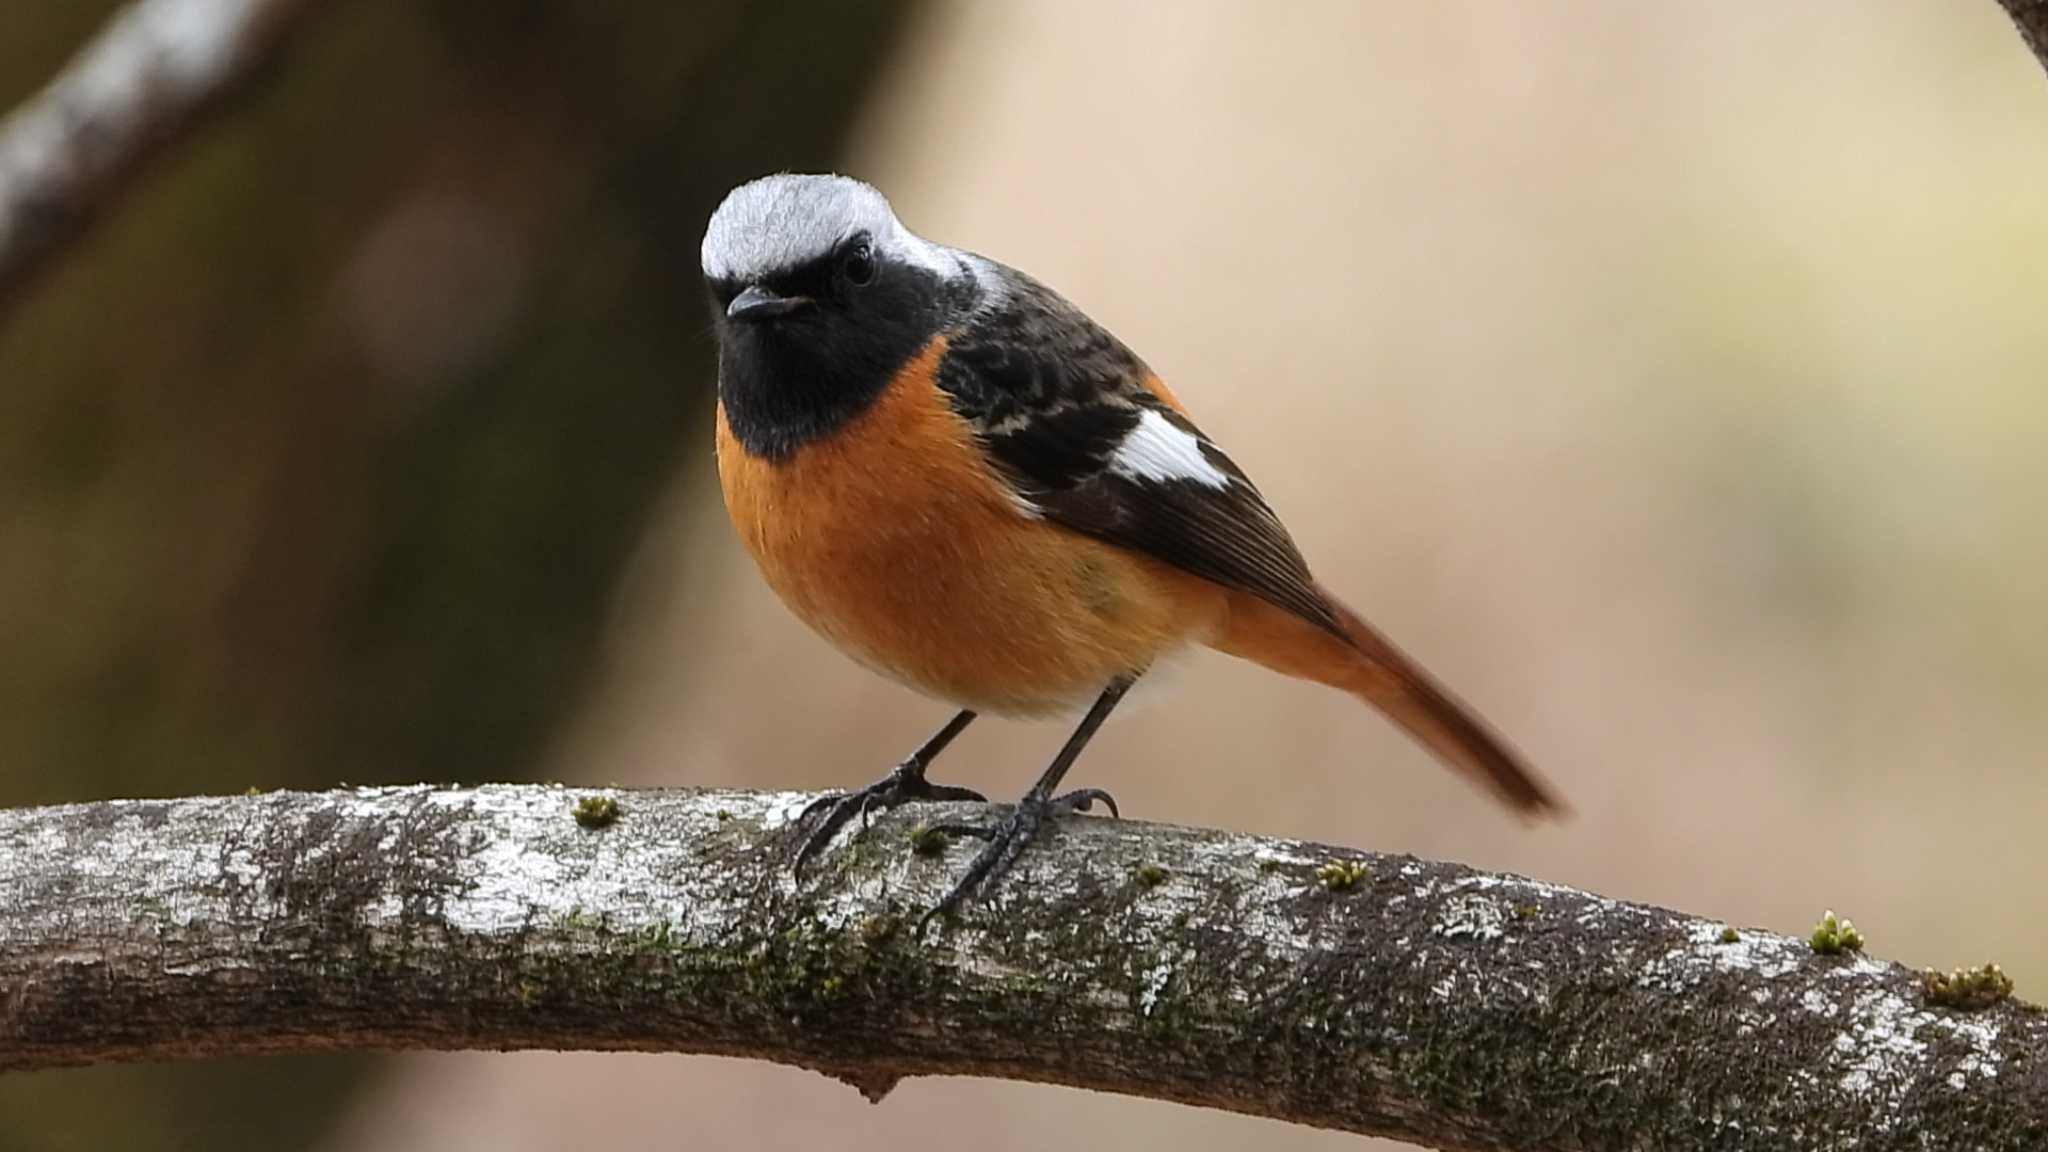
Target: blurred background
<point>1673,380</point>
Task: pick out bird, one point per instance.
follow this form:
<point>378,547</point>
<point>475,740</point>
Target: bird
<point>964,483</point>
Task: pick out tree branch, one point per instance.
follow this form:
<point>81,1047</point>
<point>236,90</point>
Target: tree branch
<point>2032,18</point>
<point>150,76</point>
<point>1423,1001</point>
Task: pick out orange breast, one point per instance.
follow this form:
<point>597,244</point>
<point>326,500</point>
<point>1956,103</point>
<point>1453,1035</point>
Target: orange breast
<point>892,538</point>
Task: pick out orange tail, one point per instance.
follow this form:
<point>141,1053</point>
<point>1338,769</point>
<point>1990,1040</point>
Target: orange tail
<point>1368,666</point>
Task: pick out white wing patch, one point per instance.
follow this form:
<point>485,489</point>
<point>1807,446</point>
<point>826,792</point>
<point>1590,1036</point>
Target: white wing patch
<point>1158,451</point>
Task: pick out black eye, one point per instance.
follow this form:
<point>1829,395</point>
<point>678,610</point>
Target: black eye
<point>857,263</point>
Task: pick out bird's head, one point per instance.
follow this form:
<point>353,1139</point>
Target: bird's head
<point>820,295</point>
<point>818,250</point>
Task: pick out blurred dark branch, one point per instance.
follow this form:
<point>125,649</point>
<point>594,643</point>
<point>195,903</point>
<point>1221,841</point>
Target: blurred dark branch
<point>149,78</point>
<point>2032,18</point>
<point>1380,994</point>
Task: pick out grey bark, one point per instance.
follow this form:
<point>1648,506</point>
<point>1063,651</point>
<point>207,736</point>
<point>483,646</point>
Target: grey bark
<point>148,78</point>
<point>1425,1001</point>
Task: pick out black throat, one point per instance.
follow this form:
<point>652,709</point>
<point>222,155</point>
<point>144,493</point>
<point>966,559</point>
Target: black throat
<point>793,379</point>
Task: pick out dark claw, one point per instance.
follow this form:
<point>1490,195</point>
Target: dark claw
<point>1084,800</point>
<point>970,831</point>
<point>873,801</point>
<point>1007,841</point>
<point>905,784</point>
<point>814,807</point>
<point>1079,800</point>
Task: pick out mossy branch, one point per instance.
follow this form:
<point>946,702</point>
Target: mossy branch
<point>144,83</point>
<point>1381,994</point>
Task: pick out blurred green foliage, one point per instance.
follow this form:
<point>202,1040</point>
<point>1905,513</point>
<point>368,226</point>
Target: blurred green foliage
<point>318,459</point>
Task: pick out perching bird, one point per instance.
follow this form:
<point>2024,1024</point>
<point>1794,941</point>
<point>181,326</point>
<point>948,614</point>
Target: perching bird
<point>966,484</point>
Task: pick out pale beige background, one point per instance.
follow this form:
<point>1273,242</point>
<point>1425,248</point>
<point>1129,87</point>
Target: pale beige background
<point>1672,378</point>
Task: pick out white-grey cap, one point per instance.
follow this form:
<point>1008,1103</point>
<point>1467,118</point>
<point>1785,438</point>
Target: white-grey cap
<point>787,220</point>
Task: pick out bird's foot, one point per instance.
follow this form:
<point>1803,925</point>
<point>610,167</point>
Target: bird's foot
<point>906,783</point>
<point>1008,839</point>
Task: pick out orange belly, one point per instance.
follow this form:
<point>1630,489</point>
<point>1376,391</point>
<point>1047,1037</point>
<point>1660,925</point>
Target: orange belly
<point>891,538</point>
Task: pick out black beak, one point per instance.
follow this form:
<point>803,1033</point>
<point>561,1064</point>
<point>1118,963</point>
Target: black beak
<point>758,303</point>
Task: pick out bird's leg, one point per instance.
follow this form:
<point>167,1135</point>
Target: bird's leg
<point>903,784</point>
<point>1008,839</point>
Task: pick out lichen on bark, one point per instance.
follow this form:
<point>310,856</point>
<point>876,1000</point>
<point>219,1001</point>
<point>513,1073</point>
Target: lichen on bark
<point>1421,1000</point>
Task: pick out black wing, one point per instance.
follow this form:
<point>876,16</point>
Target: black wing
<point>1064,411</point>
